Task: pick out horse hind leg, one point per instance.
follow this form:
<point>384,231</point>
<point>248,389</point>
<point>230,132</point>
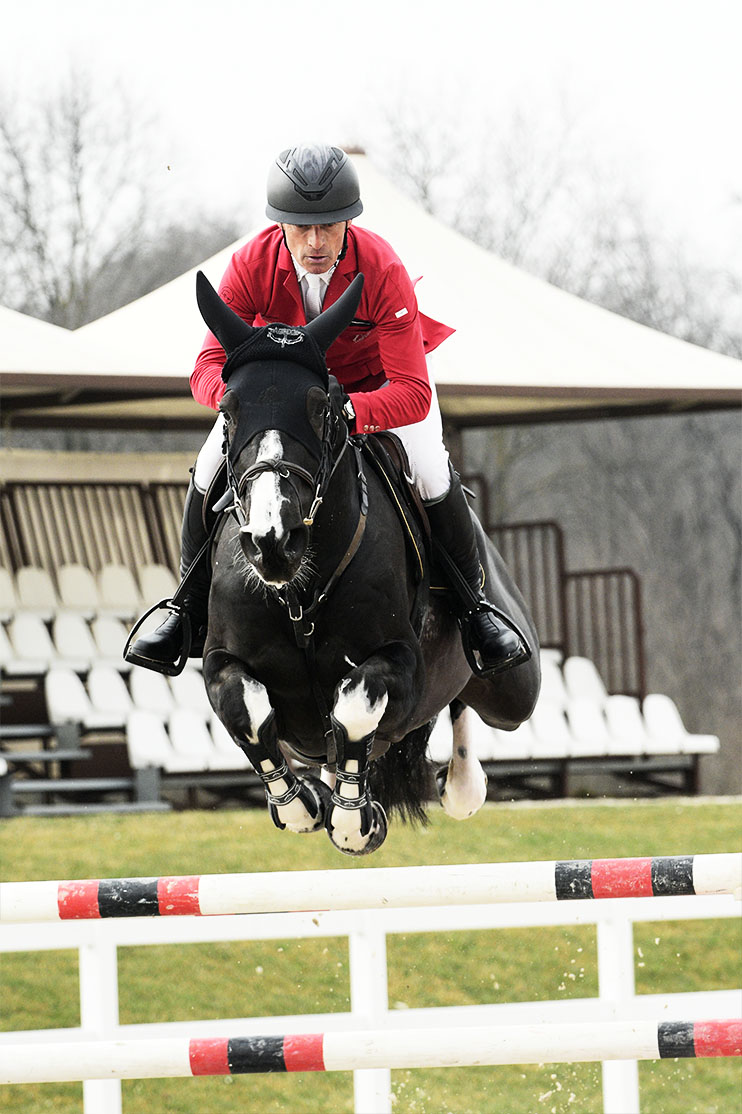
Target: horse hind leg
<point>356,824</point>
<point>462,785</point>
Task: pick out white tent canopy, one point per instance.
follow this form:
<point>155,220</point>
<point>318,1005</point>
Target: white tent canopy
<point>522,347</point>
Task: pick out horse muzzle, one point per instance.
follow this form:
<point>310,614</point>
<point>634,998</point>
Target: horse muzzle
<point>276,558</point>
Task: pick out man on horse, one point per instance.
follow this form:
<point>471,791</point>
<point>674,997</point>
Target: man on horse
<point>286,274</point>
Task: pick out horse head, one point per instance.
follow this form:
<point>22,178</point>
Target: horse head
<point>282,429</point>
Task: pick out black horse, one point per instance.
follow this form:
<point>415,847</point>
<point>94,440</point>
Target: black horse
<point>325,647</point>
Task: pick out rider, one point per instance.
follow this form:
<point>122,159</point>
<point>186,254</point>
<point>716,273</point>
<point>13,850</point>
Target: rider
<point>286,273</point>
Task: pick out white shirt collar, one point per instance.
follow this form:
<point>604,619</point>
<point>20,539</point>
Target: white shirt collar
<point>302,273</point>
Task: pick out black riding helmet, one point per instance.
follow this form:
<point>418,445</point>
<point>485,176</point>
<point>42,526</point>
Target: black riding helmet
<point>313,184</point>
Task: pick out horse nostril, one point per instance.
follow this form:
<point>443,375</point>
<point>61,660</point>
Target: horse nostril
<point>294,541</point>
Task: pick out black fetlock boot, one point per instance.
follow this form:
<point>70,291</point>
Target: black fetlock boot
<point>164,650</point>
<point>490,643</point>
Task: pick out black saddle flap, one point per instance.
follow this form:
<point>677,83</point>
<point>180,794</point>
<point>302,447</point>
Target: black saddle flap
<point>386,454</point>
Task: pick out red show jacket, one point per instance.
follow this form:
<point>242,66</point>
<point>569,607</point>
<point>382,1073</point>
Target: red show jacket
<point>386,342</point>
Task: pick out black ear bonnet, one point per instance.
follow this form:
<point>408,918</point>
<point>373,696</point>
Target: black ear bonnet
<point>273,368</point>
<point>273,395</point>
<point>278,342</point>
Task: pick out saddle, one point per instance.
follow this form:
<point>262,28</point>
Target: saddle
<point>387,456</point>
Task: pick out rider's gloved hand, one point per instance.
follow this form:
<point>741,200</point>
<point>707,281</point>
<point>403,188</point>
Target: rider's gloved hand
<point>341,404</point>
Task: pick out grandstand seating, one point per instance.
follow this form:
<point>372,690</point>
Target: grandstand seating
<point>67,637</point>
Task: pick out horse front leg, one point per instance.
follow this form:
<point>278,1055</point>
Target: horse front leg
<point>355,822</point>
<point>244,708</point>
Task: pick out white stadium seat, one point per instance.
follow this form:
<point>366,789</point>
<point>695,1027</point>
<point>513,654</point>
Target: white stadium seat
<point>514,746</point>
<point>110,636</point>
<point>156,582</point>
<point>148,744</point>
<point>73,641</point>
<point>551,736</point>
<point>665,726</point>
<point>553,688</point>
<point>626,730</point>
<point>108,692</point>
<point>190,738</point>
<point>189,692</point>
<point>581,678</point>
<point>227,755</point>
<point>9,603</point>
<point>33,649</point>
<point>78,590</point>
<point>151,692</point>
<point>36,591</point>
<point>118,592</point>
<point>588,728</point>
<point>67,701</point>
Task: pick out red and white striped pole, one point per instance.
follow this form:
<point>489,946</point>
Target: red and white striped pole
<point>348,1051</point>
<point>405,887</point>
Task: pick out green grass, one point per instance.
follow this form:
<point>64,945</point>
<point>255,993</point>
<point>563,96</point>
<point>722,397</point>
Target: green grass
<point>292,976</point>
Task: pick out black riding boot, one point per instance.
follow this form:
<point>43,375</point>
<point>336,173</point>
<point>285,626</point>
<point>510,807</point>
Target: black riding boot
<point>491,646</point>
<point>163,648</point>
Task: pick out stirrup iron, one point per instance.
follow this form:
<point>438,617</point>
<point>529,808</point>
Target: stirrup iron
<point>170,670</point>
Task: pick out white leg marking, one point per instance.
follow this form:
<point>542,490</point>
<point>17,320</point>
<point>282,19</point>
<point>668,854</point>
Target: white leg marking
<point>358,715</point>
<point>265,497</point>
<point>294,815</point>
<point>466,784</point>
<point>257,703</point>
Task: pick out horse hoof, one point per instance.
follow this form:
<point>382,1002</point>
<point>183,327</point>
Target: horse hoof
<point>314,796</point>
<point>353,843</point>
<point>460,800</point>
<point>320,800</point>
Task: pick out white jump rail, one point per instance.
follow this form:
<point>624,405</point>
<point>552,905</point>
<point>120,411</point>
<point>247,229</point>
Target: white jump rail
<point>364,905</point>
<point>391,887</point>
<point>412,1048</point>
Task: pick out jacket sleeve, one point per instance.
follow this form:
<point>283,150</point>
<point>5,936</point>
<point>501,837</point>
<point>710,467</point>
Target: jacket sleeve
<point>206,378</point>
<point>405,397</point>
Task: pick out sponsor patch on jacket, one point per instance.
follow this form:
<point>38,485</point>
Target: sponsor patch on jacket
<point>401,312</point>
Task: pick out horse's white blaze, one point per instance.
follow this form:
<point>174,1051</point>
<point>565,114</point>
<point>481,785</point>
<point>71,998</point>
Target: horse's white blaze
<point>465,790</point>
<point>358,714</point>
<point>265,494</point>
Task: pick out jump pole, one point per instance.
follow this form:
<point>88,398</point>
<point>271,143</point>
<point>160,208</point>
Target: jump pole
<point>349,1051</point>
<point>386,887</point>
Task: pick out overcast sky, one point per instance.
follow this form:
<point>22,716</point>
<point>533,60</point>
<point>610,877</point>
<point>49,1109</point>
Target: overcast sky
<point>656,84</point>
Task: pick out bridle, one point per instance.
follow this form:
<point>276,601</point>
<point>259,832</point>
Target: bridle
<point>320,481</point>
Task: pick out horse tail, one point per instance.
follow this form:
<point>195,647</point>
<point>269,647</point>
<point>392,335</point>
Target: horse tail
<point>402,779</point>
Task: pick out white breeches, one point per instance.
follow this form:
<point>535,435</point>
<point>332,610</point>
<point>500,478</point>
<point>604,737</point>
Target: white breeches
<point>423,444</point>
